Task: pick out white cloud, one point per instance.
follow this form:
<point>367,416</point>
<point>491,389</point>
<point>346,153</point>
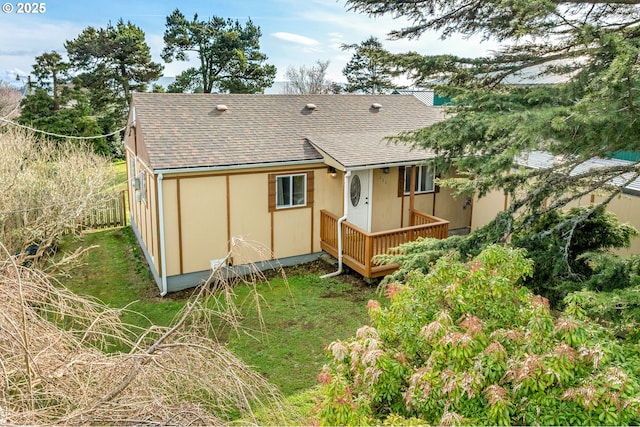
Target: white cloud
<point>296,38</point>
<point>20,44</point>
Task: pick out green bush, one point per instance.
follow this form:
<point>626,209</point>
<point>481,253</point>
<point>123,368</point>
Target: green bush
<point>465,344</point>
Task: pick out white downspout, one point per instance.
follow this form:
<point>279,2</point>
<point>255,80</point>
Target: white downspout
<point>340,221</point>
<point>163,253</point>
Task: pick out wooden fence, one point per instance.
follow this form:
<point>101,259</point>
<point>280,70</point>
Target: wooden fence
<point>114,214</point>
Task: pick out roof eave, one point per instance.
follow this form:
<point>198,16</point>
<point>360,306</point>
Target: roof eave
<point>201,169</point>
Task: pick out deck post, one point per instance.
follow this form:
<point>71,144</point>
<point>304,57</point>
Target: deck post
<point>368,254</point>
<point>412,194</point>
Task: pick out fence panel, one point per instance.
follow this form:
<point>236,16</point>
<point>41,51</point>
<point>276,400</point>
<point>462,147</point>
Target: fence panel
<point>114,214</point>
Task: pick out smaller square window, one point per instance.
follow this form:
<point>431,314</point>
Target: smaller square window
<point>291,191</point>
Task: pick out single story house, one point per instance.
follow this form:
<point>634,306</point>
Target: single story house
<point>301,174</point>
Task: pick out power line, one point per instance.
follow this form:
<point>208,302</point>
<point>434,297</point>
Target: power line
<point>4,119</point>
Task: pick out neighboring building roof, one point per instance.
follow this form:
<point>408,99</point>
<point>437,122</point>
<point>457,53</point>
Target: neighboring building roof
<point>189,131</point>
<point>427,96</point>
<point>543,159</point>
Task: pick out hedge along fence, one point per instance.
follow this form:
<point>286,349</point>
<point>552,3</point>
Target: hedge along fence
<point>114,214</point>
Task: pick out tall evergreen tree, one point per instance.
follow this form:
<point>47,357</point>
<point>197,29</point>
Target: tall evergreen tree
<point>112,62</point>
<point>51,72</point>
<point>229,55</point>
<point>594,45</point>
<point>59,106</point>
<point>368,71</point>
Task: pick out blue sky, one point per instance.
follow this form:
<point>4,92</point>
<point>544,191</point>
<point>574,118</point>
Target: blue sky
<point>294,32</point>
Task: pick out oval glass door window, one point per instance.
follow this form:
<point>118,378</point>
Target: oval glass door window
<point>355,189</point>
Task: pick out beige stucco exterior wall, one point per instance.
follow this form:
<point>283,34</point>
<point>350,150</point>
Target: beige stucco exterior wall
<point>171,225</point>
<point>329,196</point>
<point>627,209</point>
<point>386,205</point>
<point>486,208</point>
<point>249,210</point>
<point>454,209</point>
<point>388,208</point>
<point>203,215</point>
<point>198,229</point>
<point>144,211</point>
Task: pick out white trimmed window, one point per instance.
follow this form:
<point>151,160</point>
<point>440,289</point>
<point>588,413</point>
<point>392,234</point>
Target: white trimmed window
<point>425,179</point>
<point>291,191</point>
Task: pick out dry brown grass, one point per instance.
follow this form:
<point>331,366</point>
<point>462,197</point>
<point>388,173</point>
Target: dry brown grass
<point>56,366</point>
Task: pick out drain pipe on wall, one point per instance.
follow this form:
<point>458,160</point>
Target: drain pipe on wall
<point>163,253</point>
<point>347,174</point>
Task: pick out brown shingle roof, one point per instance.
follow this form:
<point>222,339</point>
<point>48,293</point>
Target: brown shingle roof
<point>187,131</point>
<point>360,149</point>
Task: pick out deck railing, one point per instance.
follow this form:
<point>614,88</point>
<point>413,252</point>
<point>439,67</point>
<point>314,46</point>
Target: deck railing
<point>359,246</point>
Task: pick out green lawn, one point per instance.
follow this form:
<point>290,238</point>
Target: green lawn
<point>120,166</point>
<point>300,319</point>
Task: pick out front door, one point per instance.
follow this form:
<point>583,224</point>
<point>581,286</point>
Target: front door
<point>359,211</point>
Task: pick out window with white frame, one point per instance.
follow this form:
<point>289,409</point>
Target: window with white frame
<point>291,191</point>
<point>425,179</point>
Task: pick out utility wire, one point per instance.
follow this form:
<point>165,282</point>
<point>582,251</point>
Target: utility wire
<point>4,119</point>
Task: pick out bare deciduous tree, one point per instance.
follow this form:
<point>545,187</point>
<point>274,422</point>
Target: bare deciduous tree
<point>309,80</point>
<point>9,101</point>
<point>46,188</point>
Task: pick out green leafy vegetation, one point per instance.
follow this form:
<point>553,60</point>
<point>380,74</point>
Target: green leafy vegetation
<point>466,345</point>
<point>229,55</point>
<point>367,71</point>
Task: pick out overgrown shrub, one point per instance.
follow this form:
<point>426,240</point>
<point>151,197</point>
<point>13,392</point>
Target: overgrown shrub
<point>464,344</point>
<point>557,243</point>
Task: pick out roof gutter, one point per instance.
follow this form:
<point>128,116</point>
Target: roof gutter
<point>389,165</point>
<point>163,252</point>
<point>237,167</point>
<point>339,225</point>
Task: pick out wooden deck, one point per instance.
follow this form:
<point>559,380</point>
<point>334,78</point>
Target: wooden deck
<point>359,246</point>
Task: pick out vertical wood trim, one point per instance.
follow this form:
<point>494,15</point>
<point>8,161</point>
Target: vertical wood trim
<point>272,191</point>
<point>401,181</point>
<point>228,196</point>
<point>312,230</point>
<point>272,237</point>
<point>412,194</point>
<point>433,208</point>
<point>310,187</point>
<point>368,254</point>
<point>402,212</point>
<point>158,207</point>
<point>178,197</point>
<point>506,202</point>
<point>401,193</point>
<point>593,198</point>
